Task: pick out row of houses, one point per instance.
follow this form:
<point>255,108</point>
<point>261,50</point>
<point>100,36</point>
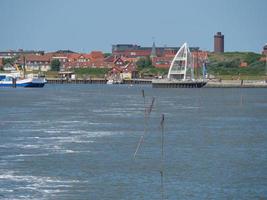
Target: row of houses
<point>69,60</point>
<point>124,56</point>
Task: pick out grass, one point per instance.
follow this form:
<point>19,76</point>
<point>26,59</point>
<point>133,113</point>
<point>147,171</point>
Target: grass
<point>92,72</point>
<point>153,71</point>
<point>225,65</point>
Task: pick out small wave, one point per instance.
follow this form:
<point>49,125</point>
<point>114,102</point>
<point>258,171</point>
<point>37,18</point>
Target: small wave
<point>28,187</point>
<point>25,155</point>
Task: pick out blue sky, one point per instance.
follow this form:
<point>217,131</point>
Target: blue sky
<point>85,25</point>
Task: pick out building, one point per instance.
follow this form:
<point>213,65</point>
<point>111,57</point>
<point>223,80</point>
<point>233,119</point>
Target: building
<point>13,53</point>
<point>219,43</point>
<point>95,59</point>
<point>8,67</point>
<point>243,64</point>
<point>126,72</point>
<point>162,62</point>
<point>136,51</point>
<point>34,62</point>
<point>165,61</point>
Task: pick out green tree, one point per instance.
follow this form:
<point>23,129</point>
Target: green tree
<point>107,54</point>
<point>144,63</point>
<point>55,65</point>
<point>9,60</point>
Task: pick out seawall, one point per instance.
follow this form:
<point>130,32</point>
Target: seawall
<point>237,84</point>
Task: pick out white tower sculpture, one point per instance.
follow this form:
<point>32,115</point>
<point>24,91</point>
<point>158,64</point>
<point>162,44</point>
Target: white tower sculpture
<point>181,66</point>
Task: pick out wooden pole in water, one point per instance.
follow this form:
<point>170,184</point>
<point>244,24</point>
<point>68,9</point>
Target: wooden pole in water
<point>147,111</point>
<point>145,124</point>
<point>162,156</point>
<point>14,84</point>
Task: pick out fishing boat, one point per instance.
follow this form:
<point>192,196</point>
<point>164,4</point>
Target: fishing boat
<point>181,72</point>
<point>15,80</point>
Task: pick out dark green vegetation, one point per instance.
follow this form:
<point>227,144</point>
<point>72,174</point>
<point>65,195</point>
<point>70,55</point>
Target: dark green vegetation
<point>55,65</point>
<point>144,63</point>
<point>228,64</point>
<point>145,68</point>
<point>107,54</point>
<point>10,60</point>
<point>92,72</point>
<point>152,72</point>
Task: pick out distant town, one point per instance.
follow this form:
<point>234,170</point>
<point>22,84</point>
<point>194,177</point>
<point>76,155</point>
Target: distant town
<point>133,61</point>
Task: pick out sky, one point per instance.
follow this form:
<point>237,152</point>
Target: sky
<point>86,25</point>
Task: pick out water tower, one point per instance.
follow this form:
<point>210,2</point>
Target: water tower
<point>219,43</point>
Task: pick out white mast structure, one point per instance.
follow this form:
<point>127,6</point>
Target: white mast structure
<point>181,63</point>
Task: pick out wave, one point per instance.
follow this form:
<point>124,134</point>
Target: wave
<point>29,187</point>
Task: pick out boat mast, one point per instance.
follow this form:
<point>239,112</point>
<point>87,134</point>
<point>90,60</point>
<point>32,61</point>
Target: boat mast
<point>24,64</point>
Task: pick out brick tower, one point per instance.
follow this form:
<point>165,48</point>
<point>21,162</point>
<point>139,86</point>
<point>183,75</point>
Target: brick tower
<point>219,43</point>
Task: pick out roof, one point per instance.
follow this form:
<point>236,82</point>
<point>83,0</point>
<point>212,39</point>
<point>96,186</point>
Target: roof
<point>97,55</point>
<point>130,67</point>
<point>73,56</point>
<point>110,58</point>
<point>37,58</point>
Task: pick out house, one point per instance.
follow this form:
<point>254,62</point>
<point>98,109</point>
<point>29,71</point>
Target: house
<point>9,67</point>
<point>243,64</point>
<point>115,74</point>
<point>35,62</point>
<point>129,71</point>
<point>97,55</point>
<point>126,72</point>
<point>118,62</point>
<point>93,60</point>
<point>79,57</point>
<point>76,64</point>
<point>14,53</point>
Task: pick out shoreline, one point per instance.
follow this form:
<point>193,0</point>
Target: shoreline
<point>210,84</point>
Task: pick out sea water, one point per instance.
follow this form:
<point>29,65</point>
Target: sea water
<point>78,141</point>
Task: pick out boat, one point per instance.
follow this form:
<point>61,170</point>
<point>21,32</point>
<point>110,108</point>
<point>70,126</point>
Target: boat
<point>181,72</point>
<point>15,80</point>
<point>112,81</point>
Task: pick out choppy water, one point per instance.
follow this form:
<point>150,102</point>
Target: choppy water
<point>77,142</point>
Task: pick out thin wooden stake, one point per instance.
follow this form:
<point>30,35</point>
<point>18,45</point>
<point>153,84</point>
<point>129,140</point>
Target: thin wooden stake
<point>162,156</point>
<point>147,112</point>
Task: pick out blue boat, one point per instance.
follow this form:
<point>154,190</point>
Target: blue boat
<point>14,80</point>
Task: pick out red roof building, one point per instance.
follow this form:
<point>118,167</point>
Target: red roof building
<point>97,55</point>
<point>243,64</point>
<point>35,62</point>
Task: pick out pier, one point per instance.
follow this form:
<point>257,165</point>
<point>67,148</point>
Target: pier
<point>165,83</point>
<point>94,81</point>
